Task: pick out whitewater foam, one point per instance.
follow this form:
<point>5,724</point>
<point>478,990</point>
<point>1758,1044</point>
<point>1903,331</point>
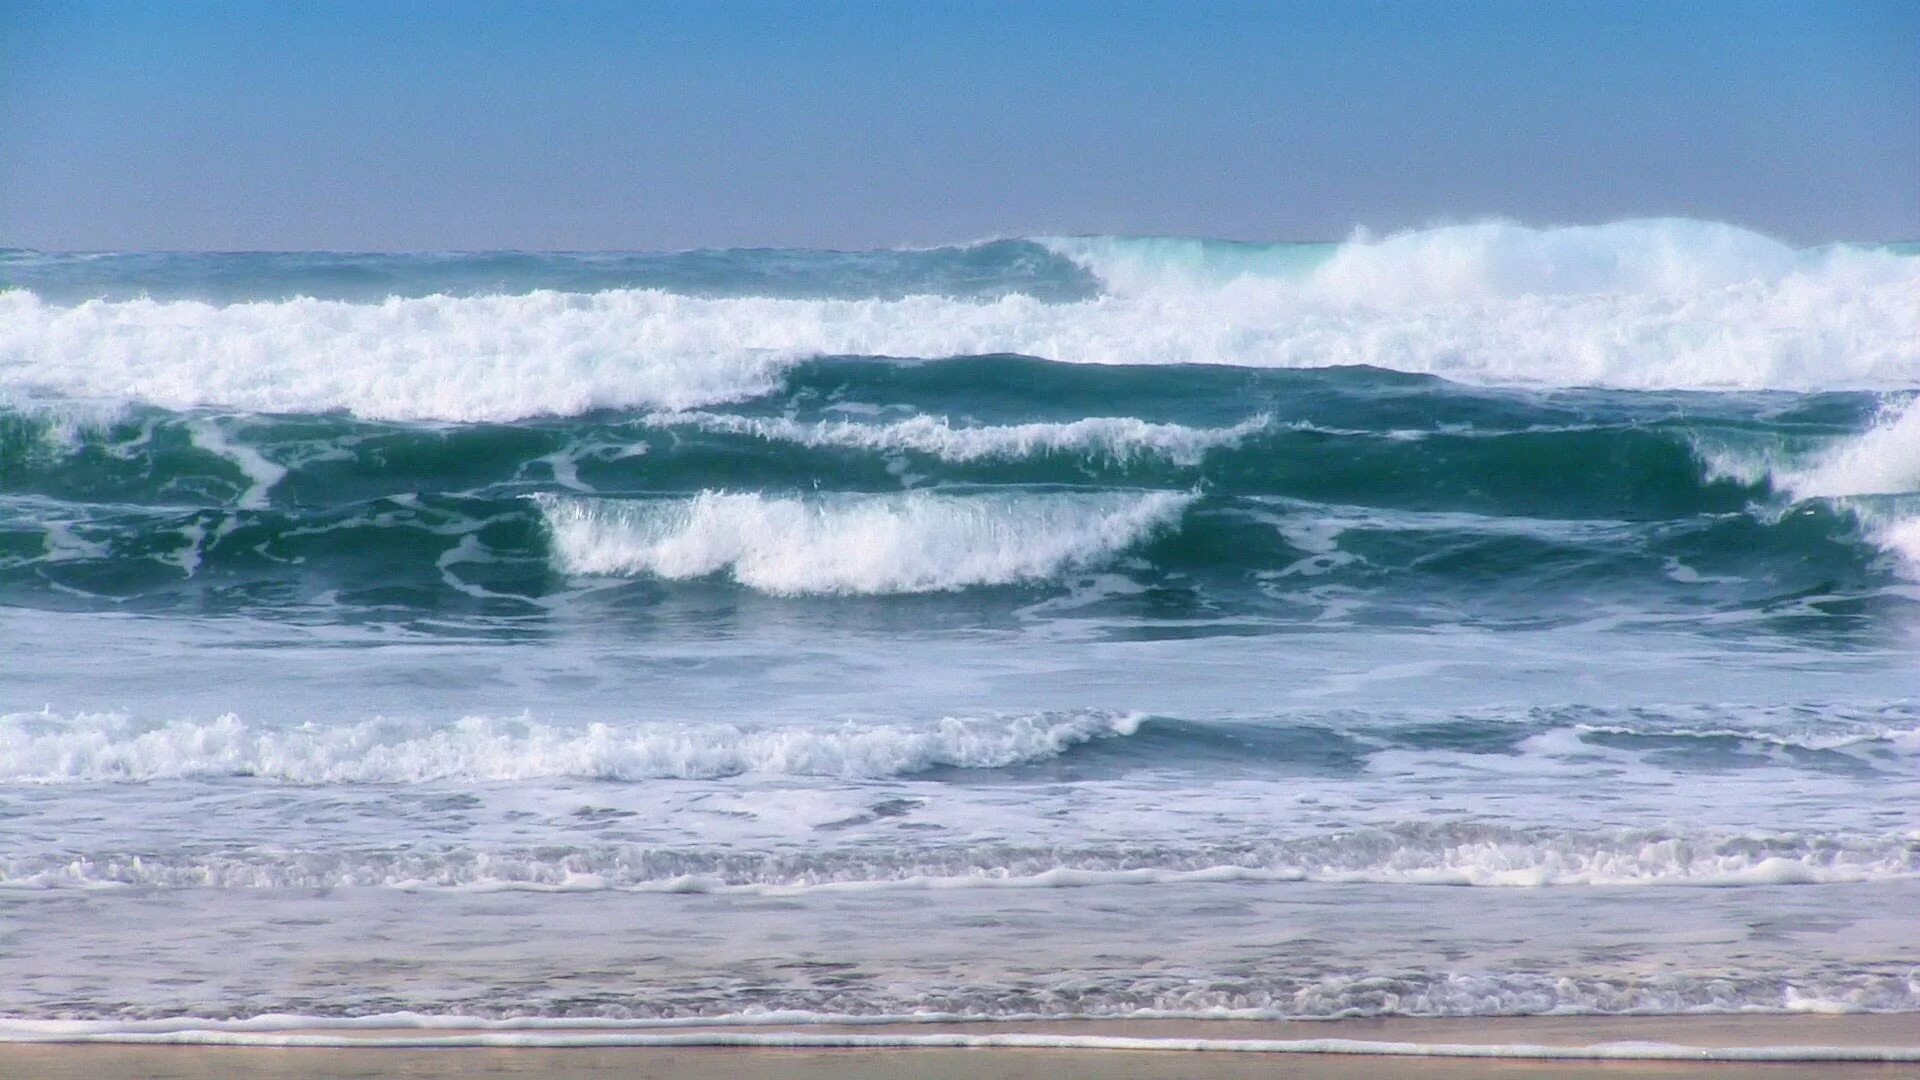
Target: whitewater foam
<point>1885,460</point>
<point>46,748</point>
<point>1636,305</point>
<point>916,541</point>
<point>1449,856</point>
<point>1116,439</point>
<point>1463,263</point>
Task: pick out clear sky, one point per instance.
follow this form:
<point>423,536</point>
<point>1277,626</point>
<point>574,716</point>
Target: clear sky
<point>410,124</point>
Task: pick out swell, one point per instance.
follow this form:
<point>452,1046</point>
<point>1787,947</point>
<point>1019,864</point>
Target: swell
<point>975,271</point>
<point>1251,490</point>
<point>1152,554</point>
<point>1352,436</point>
<point>1205,557</point>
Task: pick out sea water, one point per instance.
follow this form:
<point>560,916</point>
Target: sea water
<point>1479,620</point>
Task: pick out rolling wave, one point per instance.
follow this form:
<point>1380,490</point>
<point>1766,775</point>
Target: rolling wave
<point>41,748</point>
<point>914,542</point>
<point>93,748</point>
<point>1874,476</point>
<point>1636,305</point>
<point>1480,261</point>
<point>984,270</point>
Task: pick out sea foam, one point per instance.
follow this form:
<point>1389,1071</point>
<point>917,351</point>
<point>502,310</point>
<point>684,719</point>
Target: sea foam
<point>1116,439</point>
<point>46,748</point>
<point>1637,305</point>
<point>1450,857</point>
<point>916,541</point>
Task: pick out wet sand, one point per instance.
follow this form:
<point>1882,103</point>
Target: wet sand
<point>26,1061</point>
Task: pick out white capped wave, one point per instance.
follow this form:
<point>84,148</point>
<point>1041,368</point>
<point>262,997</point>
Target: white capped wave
<point>1480,261</point>
<point>430,358</point>
<point>45,748</point>
<point>1502,259</point>
<point>1867,474</point>
<point>1635,305</point>
<point>1885,460</point>
<point>1117,439</point>
<point>917,541</point>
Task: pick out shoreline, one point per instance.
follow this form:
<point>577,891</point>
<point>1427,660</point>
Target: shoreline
<point>1834,1047</point>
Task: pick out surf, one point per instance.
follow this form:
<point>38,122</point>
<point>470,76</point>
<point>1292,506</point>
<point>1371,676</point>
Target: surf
<point>1631,305</point>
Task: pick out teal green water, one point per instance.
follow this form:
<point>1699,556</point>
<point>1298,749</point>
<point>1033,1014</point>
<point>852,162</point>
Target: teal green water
<point>1480,620</point>
<point>1412,496</point>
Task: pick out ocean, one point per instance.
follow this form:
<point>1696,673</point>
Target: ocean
<point>1483,620</point>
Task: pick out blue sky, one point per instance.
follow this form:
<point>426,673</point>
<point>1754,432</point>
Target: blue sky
<point>424,125</point>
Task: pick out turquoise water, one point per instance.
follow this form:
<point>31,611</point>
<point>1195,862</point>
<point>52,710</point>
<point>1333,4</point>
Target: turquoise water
<point>1219,585</point>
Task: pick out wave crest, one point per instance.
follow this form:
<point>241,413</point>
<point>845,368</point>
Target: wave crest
<point>1632,305</point>
<point>854,544</point>
<point>1875,475</point>
<point>42,748</point>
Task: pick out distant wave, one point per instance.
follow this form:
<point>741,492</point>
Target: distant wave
<point>1659,304</point>
<point>1481,261</point>
<point>912,542</point>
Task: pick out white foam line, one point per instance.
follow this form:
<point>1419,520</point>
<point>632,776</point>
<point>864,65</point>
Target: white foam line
<point>1630,305</point>
<point>1618,1051</point>
<point>855,544</point>
<point>47,748</point>
<point>1116,438</point>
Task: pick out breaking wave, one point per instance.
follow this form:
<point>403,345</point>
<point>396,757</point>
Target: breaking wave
<point>1638,304</point>
<point>1874,475</point>
<point>854,544</point>
<point>51,748</point>
<point>43,748</point>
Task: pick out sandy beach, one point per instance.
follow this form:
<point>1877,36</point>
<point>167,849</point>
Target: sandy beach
<point>437,1053</point>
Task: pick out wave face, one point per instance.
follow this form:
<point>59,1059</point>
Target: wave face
<point>1133,625</point>
<point>1259,499</point>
